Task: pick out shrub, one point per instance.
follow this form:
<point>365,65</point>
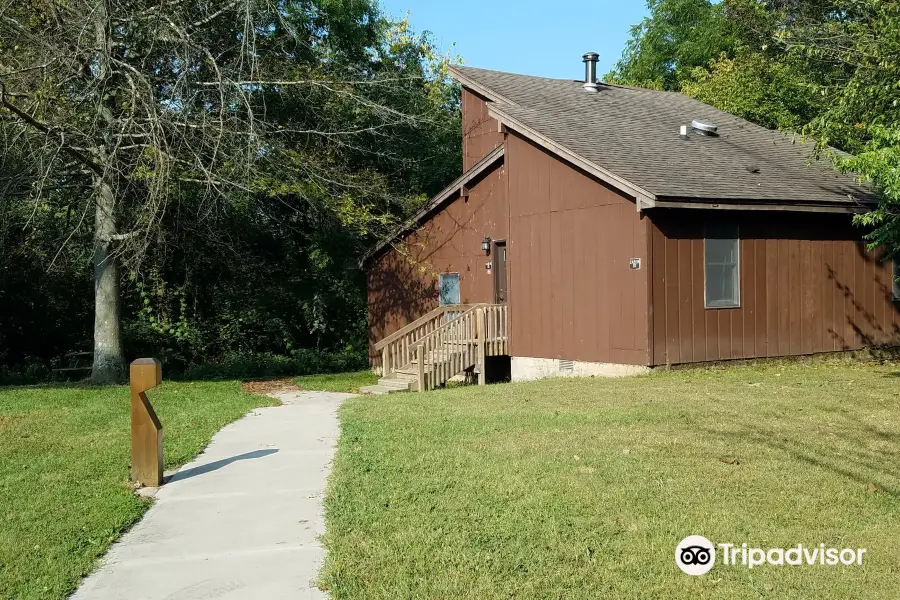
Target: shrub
<point>28,373</point>
<point>256,365</point>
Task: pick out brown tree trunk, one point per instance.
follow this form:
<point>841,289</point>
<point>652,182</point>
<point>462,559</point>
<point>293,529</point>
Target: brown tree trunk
<point>109,360</point>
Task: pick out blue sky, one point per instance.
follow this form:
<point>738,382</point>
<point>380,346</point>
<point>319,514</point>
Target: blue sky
<point>526,36</point>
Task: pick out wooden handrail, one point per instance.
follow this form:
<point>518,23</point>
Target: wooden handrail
<point>480,327</point>
<point>497,329</point>
<point>455,334</point>
<point>452,344</point>
<point>421,321</point>
<point>458,344</point>
<point>449,323</point>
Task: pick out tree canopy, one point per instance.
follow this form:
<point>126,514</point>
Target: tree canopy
<point>827,69</point>
<point>219,166</point>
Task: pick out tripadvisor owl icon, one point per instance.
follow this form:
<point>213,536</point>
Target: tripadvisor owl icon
<point>695,555</point>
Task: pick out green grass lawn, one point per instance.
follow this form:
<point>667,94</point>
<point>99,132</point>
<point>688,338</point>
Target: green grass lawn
<point>582,488</point>
<point>64,472</point>
<point>339,382</point>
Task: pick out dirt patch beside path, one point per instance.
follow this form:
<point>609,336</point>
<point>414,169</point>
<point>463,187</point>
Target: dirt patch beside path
<point>272,386</point>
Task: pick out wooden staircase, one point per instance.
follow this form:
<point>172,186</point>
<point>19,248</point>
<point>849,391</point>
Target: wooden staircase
<point>446,342</point>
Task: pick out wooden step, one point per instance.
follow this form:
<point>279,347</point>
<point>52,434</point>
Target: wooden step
<point>429,361</point>
<point>376,390</point>
<point>381,390</point>
<point>392,382</point>
<point>409,374</point>
<point>392,385</point>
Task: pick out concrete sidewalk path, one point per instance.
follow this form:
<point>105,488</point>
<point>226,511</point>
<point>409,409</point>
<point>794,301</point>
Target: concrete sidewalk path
<point>241,521</point>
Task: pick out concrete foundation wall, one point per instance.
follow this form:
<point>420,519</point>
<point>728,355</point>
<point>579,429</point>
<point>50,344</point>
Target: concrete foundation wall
<point>528,369</point>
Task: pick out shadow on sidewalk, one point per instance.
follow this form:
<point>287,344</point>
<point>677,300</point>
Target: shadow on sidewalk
<point>216,465</point>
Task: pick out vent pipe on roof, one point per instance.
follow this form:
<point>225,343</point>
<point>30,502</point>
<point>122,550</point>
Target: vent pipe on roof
<point>590,72</point>
<point>705,128</point>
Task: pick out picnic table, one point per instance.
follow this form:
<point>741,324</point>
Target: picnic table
<point>78,361</point>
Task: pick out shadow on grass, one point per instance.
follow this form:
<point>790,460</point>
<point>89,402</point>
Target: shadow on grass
<point>216,465</point>
<point>848,456</point>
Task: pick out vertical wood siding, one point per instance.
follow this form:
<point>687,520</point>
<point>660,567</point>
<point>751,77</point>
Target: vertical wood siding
<point>807,286</point>
<point>572,293</point>
<point>403,285</point>
<point>481,132</point>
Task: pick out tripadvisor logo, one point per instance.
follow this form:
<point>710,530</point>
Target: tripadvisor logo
<point>696,555</point>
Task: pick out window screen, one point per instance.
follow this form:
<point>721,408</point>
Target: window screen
<point>449,288</point>
<point>722,262</point>
<point>896,273</point>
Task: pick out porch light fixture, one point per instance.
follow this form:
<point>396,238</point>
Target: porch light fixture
<point>486,244</point>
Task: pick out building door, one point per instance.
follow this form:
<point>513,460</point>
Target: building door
<point>501,295</point>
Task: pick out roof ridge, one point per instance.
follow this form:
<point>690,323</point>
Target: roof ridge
<point>468,68</point>
<point>632,132</point>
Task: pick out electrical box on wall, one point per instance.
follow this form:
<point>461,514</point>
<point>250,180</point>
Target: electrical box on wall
<point>635,264</point>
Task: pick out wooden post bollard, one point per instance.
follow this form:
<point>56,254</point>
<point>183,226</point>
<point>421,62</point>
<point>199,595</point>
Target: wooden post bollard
<point>146,430</point>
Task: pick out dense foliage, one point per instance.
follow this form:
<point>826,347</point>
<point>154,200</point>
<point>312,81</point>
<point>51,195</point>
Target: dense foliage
<point>270,141</point>
<point>829,69</point>
<point>251,181</point>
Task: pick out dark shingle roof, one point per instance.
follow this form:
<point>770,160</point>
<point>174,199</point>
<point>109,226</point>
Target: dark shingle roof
<point>633,133</point>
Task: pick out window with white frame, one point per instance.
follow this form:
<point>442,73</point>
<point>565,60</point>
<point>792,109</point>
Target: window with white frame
<point>722,281</point>
<point>448,287</point>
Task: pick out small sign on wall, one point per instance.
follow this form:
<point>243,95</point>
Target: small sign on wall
<point>635,264</point>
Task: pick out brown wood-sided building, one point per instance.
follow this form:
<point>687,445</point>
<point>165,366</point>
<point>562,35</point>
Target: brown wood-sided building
<point>630,228</point>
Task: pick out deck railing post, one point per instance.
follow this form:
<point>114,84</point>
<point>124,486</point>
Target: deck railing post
<point>385,362</point>
<point>146,430</point>
<point>420,366</point>
<point>480,335</point>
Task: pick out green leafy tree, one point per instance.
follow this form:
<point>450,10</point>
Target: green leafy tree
<point>771,93</point>
<point>860,39</point>
<point>158,123</point>
<point>678,36</point>
<point>828,69</point>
